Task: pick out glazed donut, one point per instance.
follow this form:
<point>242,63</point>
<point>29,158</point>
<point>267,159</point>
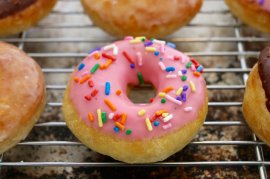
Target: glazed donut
<point>151,18</point>
<point>256,104</point>
<point>255,13</point>
<point>18,15</point>
<point>98,111</point>
<point>22,96</point>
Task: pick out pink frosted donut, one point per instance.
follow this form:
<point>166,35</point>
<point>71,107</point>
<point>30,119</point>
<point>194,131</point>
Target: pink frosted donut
<point>98,111</point>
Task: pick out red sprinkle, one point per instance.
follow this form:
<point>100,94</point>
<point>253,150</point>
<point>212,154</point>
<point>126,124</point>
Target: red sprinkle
<point>90,83</point>
<point>117,116</point>
<point>153,118</point>
<point>94,93</point>
<point>151,100</point>
<point>108,56</point>
<point>195,62</point>
<point>177,58</point>
<point>128,57</point>
<point>87,97</point>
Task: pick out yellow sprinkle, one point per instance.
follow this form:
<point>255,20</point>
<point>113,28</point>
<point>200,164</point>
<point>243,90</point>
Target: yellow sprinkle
<point>148,124</point>
<point>140,37</point>
<point>150,49</point>
<point>141,112</point>
<point>135,41</point>
<point>192,85</point>
<point>100,124</point>
<point>162,94</point>
<point>165,114</point>
<point>179,91</point>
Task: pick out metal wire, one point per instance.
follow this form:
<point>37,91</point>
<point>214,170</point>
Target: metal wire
<point>241,53</point>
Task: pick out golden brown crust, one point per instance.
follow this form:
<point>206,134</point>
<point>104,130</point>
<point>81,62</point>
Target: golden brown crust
<point>26,18</point>
<point>250,13</point>
<point>139,151</point>
<point>150,18</point>
<point>22,96</point>
<point>255,111</point>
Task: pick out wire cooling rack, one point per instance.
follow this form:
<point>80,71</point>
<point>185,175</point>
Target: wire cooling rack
<point>241,40</point>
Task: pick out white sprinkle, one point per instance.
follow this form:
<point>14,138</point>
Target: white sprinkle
<point>167,126</point>
<point>115,50</point>
<point>162,49</point>
<point>180,73</point>
<point>168,97</point>
<point>168,118</point>
<point>170,57</point>
<point>188,109</point>
<point>193,67</point>
<point>184,59</point>
<point>111,115</point>
<point>128,38</point>
<point>85,73</point>
<point>109,47</point>
<point>162,66</point>
<point>139,58</point>
<point>171,76</point>
<point>159,42</point>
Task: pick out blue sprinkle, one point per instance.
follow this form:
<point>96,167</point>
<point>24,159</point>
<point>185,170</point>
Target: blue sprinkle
<point>168,69</point>
<point>132,65</point>
<point>172,45</point>
<point>149,43</point>
<point>81,66</point>
<point>107,88</point>
<point>96,49</point>
<point>160,58</point>
<point>185,87</point>
<point>178,98</point>
<point>200,68</point>
<point>184,97</point>
<point>156,123</point>
<point>184,71</point>
<point>116,129</point>
<point>156,53</point>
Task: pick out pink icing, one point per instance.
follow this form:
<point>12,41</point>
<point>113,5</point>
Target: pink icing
<point>119,74</point>
<point>265,4</point>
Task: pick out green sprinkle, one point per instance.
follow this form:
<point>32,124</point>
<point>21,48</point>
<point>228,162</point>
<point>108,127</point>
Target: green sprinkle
<point>163,100</point>
<point>143,39</point>
<point>94,69</point>
<point>188,64</point>
<point>140,77</point>
<point>104,117</point>
<point>184,78</point>
<point>128,132</point>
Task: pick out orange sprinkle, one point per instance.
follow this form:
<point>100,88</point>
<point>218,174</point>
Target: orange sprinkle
<point>158,113</point>
<point>97,56</point>
<point>110,104</point>
<point>108,63</point>
<point>120,126</point>
<point>124,119</point>
<point>102,67</point>
<point>76,79</point>
<point>85,78</point>
<point>118,92</point>
<point>90,117</point>
<point>197,73</point>
<point>168,89</point>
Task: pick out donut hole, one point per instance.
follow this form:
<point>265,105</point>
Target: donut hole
<point>141,94</point>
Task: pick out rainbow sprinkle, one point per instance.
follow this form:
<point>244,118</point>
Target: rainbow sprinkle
<point>107,88</point>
